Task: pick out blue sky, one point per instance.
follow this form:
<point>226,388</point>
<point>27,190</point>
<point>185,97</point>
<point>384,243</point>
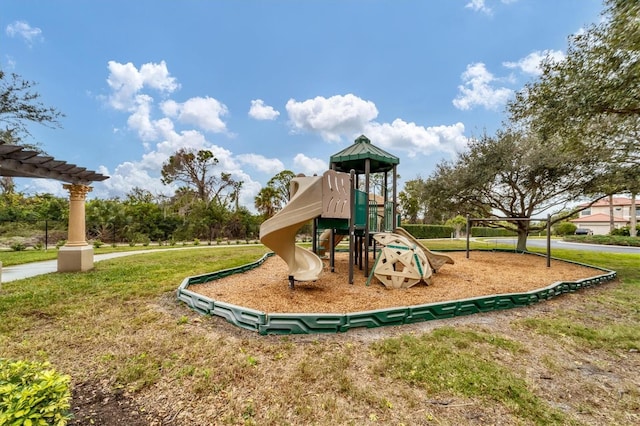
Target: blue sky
<point>271,85</point>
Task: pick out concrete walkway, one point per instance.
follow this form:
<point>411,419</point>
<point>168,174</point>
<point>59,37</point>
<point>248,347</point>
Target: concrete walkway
<point>27,270</point>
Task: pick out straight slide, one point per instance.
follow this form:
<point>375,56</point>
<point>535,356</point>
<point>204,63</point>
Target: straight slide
<point>436,260</point>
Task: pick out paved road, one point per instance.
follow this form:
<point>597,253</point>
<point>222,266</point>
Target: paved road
<point>542,243</point>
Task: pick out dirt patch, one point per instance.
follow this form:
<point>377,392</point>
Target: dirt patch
<point>93,404</point>
<point>485,273</point>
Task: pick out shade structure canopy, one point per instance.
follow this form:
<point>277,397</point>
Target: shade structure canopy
<point>355,157</point>
<point>17,161</point>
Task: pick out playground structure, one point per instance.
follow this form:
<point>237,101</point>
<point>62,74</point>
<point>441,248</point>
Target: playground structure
<point>338,208</point>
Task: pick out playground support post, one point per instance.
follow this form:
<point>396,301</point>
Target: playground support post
<point>352,220</point>
<point>548,241</point>
<point>314,239</point>
<point>468,232</point>
<point>332,250</point>
<point>367,181</point>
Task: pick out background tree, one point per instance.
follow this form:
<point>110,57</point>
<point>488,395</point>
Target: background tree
<point>265,202</point>
<point>590,101</point>
<point>194,169</point>
<point>514,174</point>
<point>105,220</point>
<point>275,194</point>
<point>282,185</point>
<point>410,199</point>
<point>457,223</point>
<point>21,105</point>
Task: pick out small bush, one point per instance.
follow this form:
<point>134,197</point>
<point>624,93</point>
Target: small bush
<point>196,242</point>
<point>60,243</point>
<point>39,246</point>
<point>624,231</point>
<point>429,231</point>
<point>97,244</point>
<point>18,247</point>
<point>32,393</point>
<point>564,228</point>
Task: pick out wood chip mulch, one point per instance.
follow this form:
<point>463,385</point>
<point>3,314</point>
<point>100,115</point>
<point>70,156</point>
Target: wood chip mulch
<point>266,288</point>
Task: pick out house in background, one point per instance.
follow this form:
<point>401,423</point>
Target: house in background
<point>597,218</point>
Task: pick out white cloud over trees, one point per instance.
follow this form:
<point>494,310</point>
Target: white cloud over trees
<point>478,89</point>
<point>530,64</point>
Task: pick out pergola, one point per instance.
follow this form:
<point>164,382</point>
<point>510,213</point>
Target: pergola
<point>17,161</point>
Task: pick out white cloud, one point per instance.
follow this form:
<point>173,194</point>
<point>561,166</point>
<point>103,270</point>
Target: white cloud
<point>205,113</point>
<point>129,175</point>
<point>260,111</point>
<point>530,64</point>
<point>332,117</point>
<point>140,119</point>
<point>125,81</point>
<point>477,89</point>
<point>481,5</point>
<point>261,163</point>
<point>24,30</point>
<point>309,166</point>
<point>349,116</point>
<point>414,139</point>
<point>478,6</point>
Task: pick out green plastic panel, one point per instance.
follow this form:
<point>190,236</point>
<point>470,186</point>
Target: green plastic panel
<point>361,208</point>
<point>250,319</point>
<point>377,318</point>
<point>302,323</point>
<point>332,223</point>
<point>308,323</point>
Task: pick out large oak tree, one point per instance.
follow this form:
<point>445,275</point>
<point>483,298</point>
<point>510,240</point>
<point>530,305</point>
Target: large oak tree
<point>589,102</point>
<point>513,175</point>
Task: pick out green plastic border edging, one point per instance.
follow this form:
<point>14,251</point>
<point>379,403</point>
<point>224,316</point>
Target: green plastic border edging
<point>309,323</point>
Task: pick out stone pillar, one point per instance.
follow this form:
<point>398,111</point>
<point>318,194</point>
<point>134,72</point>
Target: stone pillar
<point>76,254</point>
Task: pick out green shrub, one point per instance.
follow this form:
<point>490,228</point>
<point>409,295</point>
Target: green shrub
<point>32,393</point>
<point>18,247</point>
<point>97,244</point>
<point>196,242</point>
<point>429,231</point>
<point>440,231</point>
<point>624,231</point>
<point>60,243</point>
<point>564,228</point>
<point>485,231</point>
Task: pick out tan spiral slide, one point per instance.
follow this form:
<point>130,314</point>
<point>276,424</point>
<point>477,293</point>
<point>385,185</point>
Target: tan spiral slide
<point>279,232</point>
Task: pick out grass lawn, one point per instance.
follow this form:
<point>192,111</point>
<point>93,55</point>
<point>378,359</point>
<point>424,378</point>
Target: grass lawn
<point>137,356</point>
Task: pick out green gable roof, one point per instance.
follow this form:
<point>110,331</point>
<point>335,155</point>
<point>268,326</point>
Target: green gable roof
<point>355,156</point>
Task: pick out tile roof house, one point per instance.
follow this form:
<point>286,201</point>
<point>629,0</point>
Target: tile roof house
<point>597,218</point>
